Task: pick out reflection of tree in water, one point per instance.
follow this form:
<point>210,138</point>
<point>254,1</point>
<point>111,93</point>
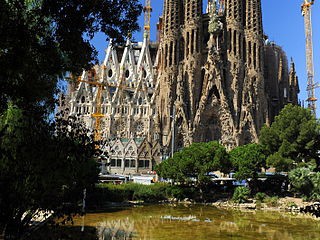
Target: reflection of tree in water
<point>250,222</point>
<point>116,230</point>
<point>145,227</point>
<point>127,229</point>
<point>164,223</point>
<point>229,227</point>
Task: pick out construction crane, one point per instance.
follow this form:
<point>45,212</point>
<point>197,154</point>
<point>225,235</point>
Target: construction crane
<point>147,16</point>
<point>97,115</point>
<point>306,13</point>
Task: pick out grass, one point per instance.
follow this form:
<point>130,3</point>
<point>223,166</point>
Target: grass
<point>105,193</point>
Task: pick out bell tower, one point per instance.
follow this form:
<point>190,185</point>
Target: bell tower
<point>169,48</point>
<point>253,113</point>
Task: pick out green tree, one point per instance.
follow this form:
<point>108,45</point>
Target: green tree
<point>46,165</point>
<point>293,138</point>
<point>195,161</point>
<point>248,160</point>
<point>41,40</point>
<point>43,167</point>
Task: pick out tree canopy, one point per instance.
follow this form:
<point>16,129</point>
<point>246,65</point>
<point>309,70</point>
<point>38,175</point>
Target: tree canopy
<point>41,40</point>
<point>45,165</point>
<point>195,161</point>
<point>292,138</point>
<point>248,160</point>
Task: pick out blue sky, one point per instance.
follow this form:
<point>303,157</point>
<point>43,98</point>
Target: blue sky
<point>283,24</point>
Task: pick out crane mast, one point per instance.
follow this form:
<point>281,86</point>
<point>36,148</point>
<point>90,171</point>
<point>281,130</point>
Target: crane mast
<point>147,16</point>
<point>306,13</point>
<point>97,115</point>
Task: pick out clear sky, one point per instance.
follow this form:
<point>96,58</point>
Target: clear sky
<point>283,23</point>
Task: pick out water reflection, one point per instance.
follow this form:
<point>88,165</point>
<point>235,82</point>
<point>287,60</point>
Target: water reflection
<point>116,229</point>
<point>199,222</point>
<point>229,226</point>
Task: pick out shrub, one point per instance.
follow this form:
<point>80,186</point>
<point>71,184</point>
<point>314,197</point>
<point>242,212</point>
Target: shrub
<point>130,192</point>
<point>260,196</point>
<point>300,178</point>
<point>175,192</point>
<point>149,193</point>
<point>315,179</point>
<point>241,194</point>
<point>181,192</point>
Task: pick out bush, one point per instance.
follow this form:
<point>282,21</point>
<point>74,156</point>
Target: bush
<point>260,196</point>
<point>181,192</point>
<point>175,192</point>
<point>315,179</point>
<point>300,178</point>
<point>241,194</point>
<point>129,192</point>
<point>149,193</point>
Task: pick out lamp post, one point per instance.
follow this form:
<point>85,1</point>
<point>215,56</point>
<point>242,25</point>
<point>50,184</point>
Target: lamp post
<point>83,207</point>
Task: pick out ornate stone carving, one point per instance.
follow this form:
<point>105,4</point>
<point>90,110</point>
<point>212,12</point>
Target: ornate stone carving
<point>208,66</point>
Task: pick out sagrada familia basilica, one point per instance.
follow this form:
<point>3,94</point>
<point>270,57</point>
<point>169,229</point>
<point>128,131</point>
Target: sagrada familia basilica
<point>211,75</point>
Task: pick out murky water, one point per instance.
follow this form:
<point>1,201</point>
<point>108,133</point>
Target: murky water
<point>199,222</point>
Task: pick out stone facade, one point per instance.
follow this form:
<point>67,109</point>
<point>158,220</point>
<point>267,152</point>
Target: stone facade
<point>212,68</point>
<point>210,76</point>
<point>128,105</point>
<point>281,84</point>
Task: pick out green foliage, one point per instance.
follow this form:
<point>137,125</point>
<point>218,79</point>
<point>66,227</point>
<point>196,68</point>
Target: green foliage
<point>46,165</point>
<point>43,166</point>
<point>315,179</point>
<point>149,193</point>
<point>196,160</point>
<point>292,138</point>
<point>129,192</point>
<point>279,162</point>
<point>42,40</point>
<point>241,195</point>
<point>180,192</point>
<point>248,160</point>
<point>306,182</point>
<point>105,193</point>
<point>260,196</point>
<point>300,179</point>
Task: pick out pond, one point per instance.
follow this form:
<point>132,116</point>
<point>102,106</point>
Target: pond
<point>198,222</point>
